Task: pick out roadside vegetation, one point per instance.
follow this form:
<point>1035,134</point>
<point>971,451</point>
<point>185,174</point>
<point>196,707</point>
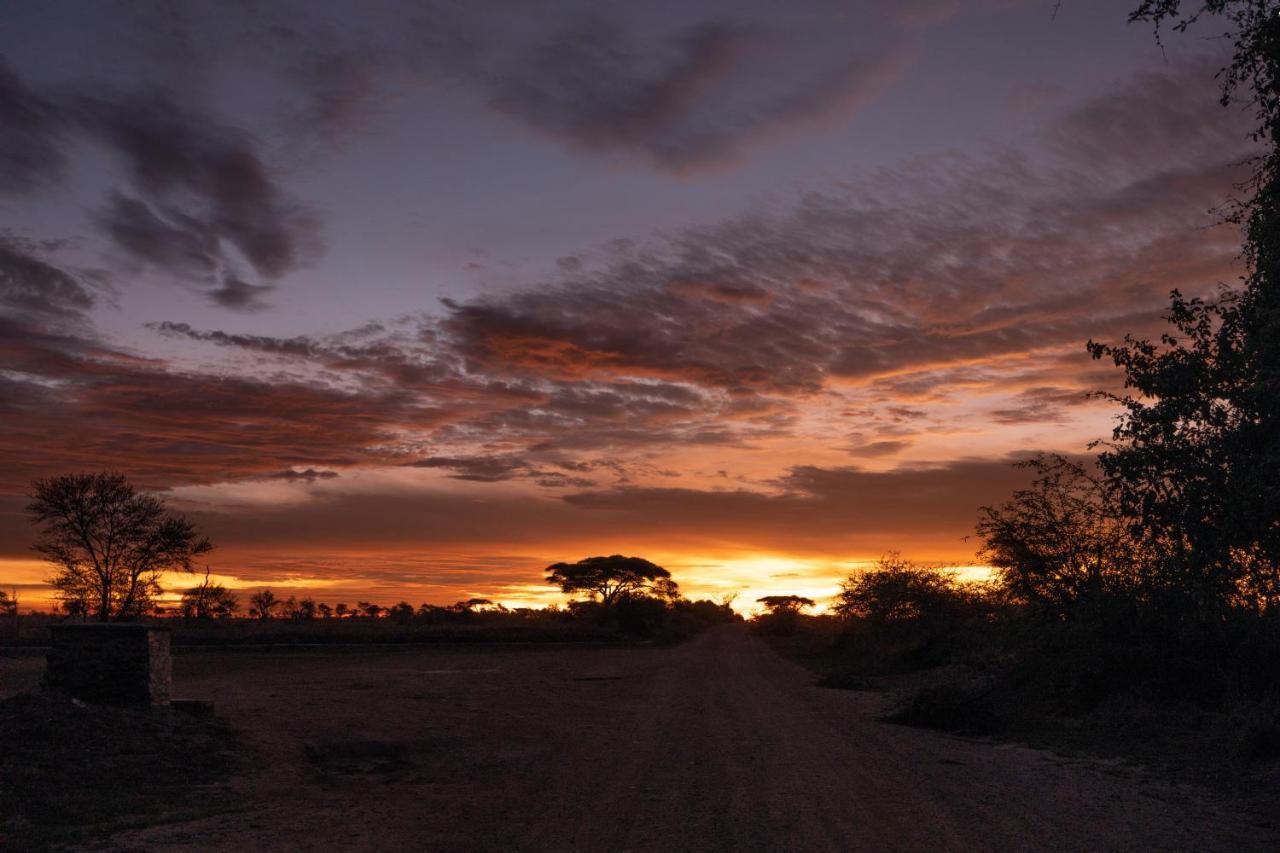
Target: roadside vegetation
<point>1134,606</point>
<point>1135,602</point>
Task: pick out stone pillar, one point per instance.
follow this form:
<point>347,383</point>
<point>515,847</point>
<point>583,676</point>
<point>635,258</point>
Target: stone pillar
<point>110,664</point>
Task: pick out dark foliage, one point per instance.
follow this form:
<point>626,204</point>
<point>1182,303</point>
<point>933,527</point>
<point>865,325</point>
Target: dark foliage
<point>900,592</point>
<point>263,605</point>
<point>610,578</point>
<point>1195,458</point>
<point>776,604</point>
<point>1059,546</point>
<point>208,601</point>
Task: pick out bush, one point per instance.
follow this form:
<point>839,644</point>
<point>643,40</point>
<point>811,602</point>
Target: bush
<point>900,592</point>
<point>901,616</point>
<point>964,709</point>
<point>641,615</point>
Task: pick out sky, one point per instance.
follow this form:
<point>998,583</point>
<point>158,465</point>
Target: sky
<point>409,300</point>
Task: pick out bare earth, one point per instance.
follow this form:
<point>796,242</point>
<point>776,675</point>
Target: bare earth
<point>715,745</point>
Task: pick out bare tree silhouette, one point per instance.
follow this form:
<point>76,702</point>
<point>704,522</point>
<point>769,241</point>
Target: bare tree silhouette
<point>109,542</point>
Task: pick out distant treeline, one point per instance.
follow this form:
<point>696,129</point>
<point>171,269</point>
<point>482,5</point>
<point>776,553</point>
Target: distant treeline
<point>210,614</point>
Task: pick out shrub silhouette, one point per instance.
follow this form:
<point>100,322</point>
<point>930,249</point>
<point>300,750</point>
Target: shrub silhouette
<point>208,601</point>
<point>897,591</point>
<point>1062,545</point>
<point>263,605</point>
<point>900,615</point>
<point>610,579</point>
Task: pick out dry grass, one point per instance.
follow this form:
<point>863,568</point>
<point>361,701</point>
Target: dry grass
<point>70,772</point>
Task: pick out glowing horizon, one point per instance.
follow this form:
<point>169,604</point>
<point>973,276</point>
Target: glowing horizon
<point>744,578</point>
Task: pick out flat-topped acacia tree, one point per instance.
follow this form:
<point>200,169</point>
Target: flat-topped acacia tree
<point>109,542</point>
<point>610,578</point>
<point>785,604</point>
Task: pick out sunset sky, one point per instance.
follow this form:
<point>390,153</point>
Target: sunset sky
<point>408,300</point>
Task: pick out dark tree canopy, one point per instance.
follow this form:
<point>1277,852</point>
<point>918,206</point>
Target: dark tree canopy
<point>665,589</point>
<point>300,610</point>
<point>1194,462</point>
<point>109,542</point>
<point>608,578</point>
<point>898,590</point>
<point>785,603</point>
<point>401,613</point>
<point>1059,544</point>
<point>472,604</point>
<point>1254,32</point>
<point>264,605</point>
<point>209,600</point>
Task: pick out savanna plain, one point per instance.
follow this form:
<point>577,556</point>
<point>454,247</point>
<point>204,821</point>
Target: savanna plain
<point>718,743</point>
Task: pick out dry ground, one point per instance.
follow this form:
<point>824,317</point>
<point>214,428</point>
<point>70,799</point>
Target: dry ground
<point>715,745</point>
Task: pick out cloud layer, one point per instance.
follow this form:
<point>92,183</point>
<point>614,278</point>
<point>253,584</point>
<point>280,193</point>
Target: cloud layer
<point>201,205</point>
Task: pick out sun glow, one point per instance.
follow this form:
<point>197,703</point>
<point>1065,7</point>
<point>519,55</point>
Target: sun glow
<point>741,577</point>
<point>749,577</point>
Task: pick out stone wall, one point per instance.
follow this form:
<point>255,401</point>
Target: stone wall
<point>110,664</point>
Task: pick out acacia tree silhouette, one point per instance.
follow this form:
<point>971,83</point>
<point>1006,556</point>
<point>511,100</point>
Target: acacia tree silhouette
<point>611,578</point>
<point>785,604</point>
<point>109,542</point>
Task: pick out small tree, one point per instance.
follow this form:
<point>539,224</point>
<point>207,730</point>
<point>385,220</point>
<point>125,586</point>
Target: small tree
<point>341,611</point>
<point>8,604</point>
<point>898,591</point>
<point>303,610</point>
<point>785,605</point>
<point>208,601</point>
<point>475,605</point>
<point>401,613</point>
<point>325,611</point>
<point>431,612</point>
<point>781,614</point>
<point>608,578</point>
<point>75,606</point>
<point>1061,544</point>
<point>263,605</point>
<point>109,542</point>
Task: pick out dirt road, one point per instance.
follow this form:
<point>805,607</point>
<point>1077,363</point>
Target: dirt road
<point>715,745</point>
